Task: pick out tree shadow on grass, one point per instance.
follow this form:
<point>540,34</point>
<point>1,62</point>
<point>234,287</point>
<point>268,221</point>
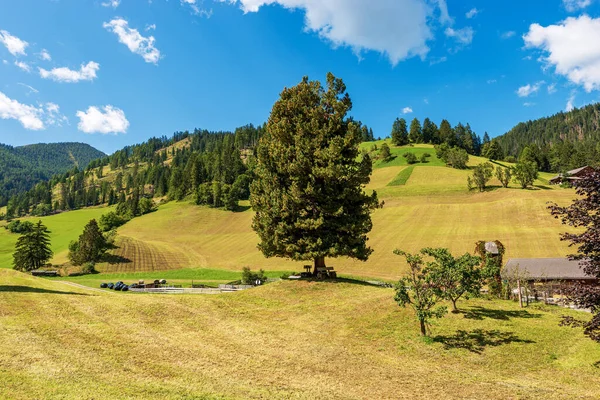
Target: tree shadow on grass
<point>477,340</point>
<point>344,280</point>
<point>481,313</point>
<point>114,259</point>
<point>239,208</point>
<point>29,289</point>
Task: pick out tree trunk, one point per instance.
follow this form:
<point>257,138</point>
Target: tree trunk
<point>520,296</point>
<point>319,263</point>
<point>423,330</point>
<point>454,309</point>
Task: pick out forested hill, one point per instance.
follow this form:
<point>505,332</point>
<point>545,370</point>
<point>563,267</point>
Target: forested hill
<point>580,128</point>
<point>22,167</point>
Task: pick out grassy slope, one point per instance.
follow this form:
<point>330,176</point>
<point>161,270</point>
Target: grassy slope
<point>284,340</point>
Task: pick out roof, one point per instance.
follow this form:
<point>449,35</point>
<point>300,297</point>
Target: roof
<point>492,248</point>
<point>569,174</point>
<point>545,268</point>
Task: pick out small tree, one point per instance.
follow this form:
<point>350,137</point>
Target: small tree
<point>503,175</point>
<point>384,153</point>
<point>454,277</point>
<point>525,173</point>
<point>32,250</point>
<point>410,157</point>
<point>424,157</point>
<point>90,247</point>
<point>482,174</point>
<point>417,290</point>
<point>494,151</point>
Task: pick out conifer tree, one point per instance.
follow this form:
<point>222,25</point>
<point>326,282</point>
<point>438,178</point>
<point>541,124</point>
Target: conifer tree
<point>415,135</point>
<point>399,132</point>
<point>308,193</point>
<point>32,250</point>
<point>90,247</point>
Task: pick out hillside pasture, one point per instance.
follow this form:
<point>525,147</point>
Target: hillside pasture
<point>303,340</point>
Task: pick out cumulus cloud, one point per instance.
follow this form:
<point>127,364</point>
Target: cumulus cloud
<point>105,120</point>
<point>575,5</point>
<point>86,72</point>
<point>407,110</point>
<point>508,34</point>
<point>472,13</point>
<point>111,3</point>
<point>463,36</point>
<point>529,89</point>
<point>571,47</point>
<point>44,55</point>
<point>135,42</point>
<point>396,28</point>
<point>15,46</point>
<point>23,65</point>
<point>31,117</point>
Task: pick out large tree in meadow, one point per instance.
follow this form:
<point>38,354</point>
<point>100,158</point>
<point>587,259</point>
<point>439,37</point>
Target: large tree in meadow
<point>308,193</point>
<point>32,250</point>
<point>399,132</point>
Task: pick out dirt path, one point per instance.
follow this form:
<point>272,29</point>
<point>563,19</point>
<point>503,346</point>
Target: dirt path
<point>77,285</point>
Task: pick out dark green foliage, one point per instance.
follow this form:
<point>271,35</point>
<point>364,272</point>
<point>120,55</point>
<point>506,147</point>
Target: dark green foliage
<point>384,152</point>
<point>410,157</point>
<point>32,250</point>
<point>494,151</point>
<point>146,205</point>
<point>21,168</point>
<point>454,277</point>
<point>89,268</point>
<point>431,133</point>
<point>415,134</point>
<point>90,246</point>
<point>308,192</point>
<point>503,175</point>
<point>418,290</point>
<point>17,226</point>
<point>424,157</point>
<point>525,173</point>
<point>399,132</point>
<point>482,173</point>
<point>111,220</point>
<point>250,278</point>
<point>454,157</point>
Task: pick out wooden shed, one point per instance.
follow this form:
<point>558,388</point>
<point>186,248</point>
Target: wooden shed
<point>560,270</point>
<point>571,176</point>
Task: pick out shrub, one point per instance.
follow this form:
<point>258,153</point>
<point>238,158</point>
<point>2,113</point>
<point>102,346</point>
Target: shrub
<point>410,157</point>
<point>17,226</point>
<point>249,277</point>
<point>89,268</point>
<point>146,205</point>
<point>111,221</point>
<point>385,154</point>
<point>423,157</point>
<point>510,159</point>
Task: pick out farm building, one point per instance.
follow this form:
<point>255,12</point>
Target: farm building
<point>560,270</point>
<point>571,176</point>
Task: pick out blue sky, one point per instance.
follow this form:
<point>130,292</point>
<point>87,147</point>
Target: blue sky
<point>112,73</point>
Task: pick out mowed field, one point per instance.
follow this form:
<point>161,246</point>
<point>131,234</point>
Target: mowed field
<point>426,205</point>
<point>303,340</point>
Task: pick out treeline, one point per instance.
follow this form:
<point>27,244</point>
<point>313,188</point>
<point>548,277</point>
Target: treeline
<point>561,142</point>
<point>21,168</point>
<point>214,168</point>
<point>461,136</point>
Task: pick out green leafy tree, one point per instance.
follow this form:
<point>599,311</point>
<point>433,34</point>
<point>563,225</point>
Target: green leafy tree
<point>32,250</point>
<point>494,151</point>
<point>111,220</point>
<point>90,247</point>
<point>503,175</point>
<point>384,152</point>
<point>453,277</point>
<point>417,290</point>
<point>415,134</point>
<point>399,132</point>
<point>410,157</point>
<point>482,173</point>
<point>525,173</point>
<point>308,193</point>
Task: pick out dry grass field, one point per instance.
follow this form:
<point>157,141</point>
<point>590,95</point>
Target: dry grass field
<point>285,340</point>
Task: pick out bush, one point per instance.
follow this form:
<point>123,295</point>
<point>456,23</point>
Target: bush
<point>385,154</point>
<point>17,226</point>
<point>111,221</point>
<point>410,157</point>
<point>424,157</point>
<point>510,159</point>
<point>250,278</point>
<point>146,205</point>
<point>89,268</point>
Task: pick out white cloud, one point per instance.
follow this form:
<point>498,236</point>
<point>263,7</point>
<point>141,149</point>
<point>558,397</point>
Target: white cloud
<point>138,44</point>
<point>150,27</point>
<point>444,15</point>
<point>86,73</point>
<point>574,5</point>
<point>111,3</point>
<point>407,110</point>
<point>31,117</point>
<point>31,89</point>
<point>44,55</point>
<point>528,104</point>
<point>15,46</point>
<point>472,13</point>
<point>508,34</point>
<point>570,106</point>
<point>490,81</point>
<point>551,88</point>
<point>463,36</point>
<point>396,28</point>
<point>105,120</point>
<point>527,90</point>
<point>438,60</point>
<point>23,65</point>
<point>572,47</point>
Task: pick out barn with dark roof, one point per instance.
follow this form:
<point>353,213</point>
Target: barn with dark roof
<point>547,269</point>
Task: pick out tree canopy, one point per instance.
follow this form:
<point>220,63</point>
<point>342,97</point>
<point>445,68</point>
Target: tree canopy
<point>32,250</point>
<point>308,192</point>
